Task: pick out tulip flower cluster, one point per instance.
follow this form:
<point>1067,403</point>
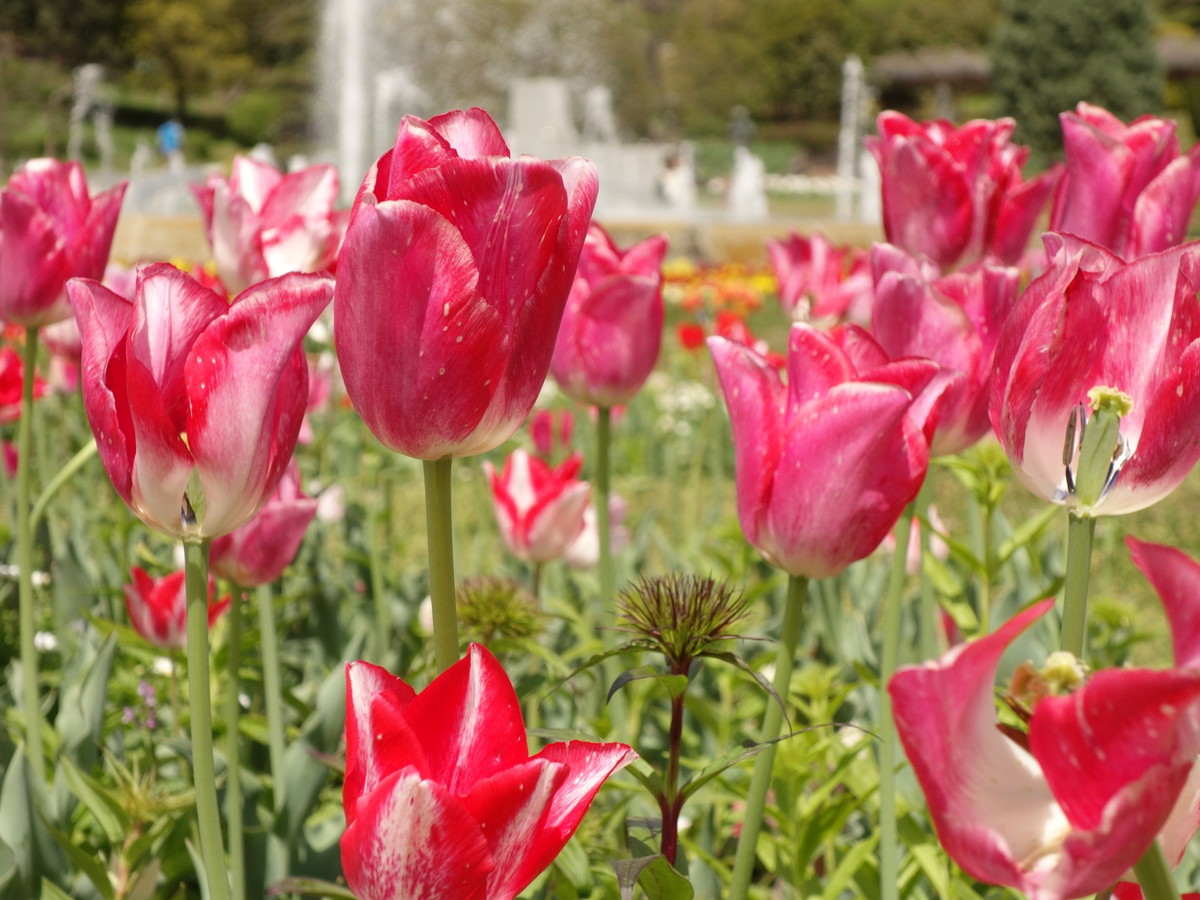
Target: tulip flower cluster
<point>460,279</point>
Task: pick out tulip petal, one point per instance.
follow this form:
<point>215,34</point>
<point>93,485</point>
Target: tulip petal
<point>562,780</point>
<point>815,364</point>
<point>755,396</point>
<point>35,262</point>
<point>413,839</point>
<point>373,730</point>
<point>1176,580</point>
<point>917,171</point>
<point>421,351</point>
<point>104,318</point>
<point>851,460</point>
<point>1163,210</point>
<point>990,805</point>
<point>469,722</point>
<point>471,132</point>
<point>511,809</point>
<point>173,309</point>
<point>248,387</point>
<point>1117,764</point>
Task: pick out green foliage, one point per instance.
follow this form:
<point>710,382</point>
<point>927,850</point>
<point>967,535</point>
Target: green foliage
<point>254,117</point>
<point>1050,55</point>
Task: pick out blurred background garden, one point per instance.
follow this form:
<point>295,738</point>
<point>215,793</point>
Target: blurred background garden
<point>236,75</point>
<point>98,80</point>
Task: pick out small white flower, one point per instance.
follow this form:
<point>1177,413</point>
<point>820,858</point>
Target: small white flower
<point>45,641</point>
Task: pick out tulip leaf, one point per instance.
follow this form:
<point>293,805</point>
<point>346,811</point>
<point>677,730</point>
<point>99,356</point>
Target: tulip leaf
<point>838,882</point>
<point>105,808</point>
<point>80,719</point>
<point>51,891</point>
<point>737,662</point>
<point>732,758</point>
<point>312,886</point>
<point>23,828</point>
<point>597,659</point>
<point>675,684</point>
<point>649,778</point>
<point>655,876</point>
<point>87,862</point>
<point>1027,531</point>
<point>629,870</point>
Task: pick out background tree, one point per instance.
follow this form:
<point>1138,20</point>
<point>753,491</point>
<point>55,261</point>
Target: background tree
<point>195,45</point>
<point>1051,54</point>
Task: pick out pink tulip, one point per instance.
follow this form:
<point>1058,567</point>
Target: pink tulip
<point>187,392</point>
<point>956,194</point>
<point>442,798</point>
<point>1093,320</point>
<point>262,223</point>
<point>259,551</point>
<point>12,385</point>
<point>611,329</point>
<point>1065,810</point>
<point>1176,578</point>
<point>826,463</point>
<point>1126,188</point>
<point>955,320</point>
<point>451,284</point>
<point>818,280</point>
<point>158,608</point>
<point>551,433</point>
<point>539,509</point>
<point>51,230</point>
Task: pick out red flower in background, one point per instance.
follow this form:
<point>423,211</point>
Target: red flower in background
<point>826,462</point>
<point>262,223</point>
<point>51,229</point>
<point>611,329</point>
<point>1126,187</point>
<point>12,384</point>
<point>259,551</point>
<point>539,509</point>
<point>158,607</point>
<point>818,280</point>
<point>956,194</point>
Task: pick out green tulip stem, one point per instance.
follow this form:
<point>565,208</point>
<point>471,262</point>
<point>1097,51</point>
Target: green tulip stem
<point>439,526</point>
<point>376,544</point>
<point>889,857</point>
<point>1154,875</point>
<point>273,691</point>
<point>26,620</point>
<point>65,474</point>
<point>208,813</point>
<point>233,756</point>
<point>173,689</point>
<point>1080,532</point>
<point>760,780</point>
<point>603,526</point>
<point>987,514</point>
<point>927,603</point>
<point>535,580</point>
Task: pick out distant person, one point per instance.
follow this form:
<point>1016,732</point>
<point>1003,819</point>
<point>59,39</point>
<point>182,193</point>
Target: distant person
<point>170,143</point>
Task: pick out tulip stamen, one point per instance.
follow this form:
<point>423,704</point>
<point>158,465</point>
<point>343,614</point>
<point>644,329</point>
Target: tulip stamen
<point>187,515</point>
<point>1079,453</point>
